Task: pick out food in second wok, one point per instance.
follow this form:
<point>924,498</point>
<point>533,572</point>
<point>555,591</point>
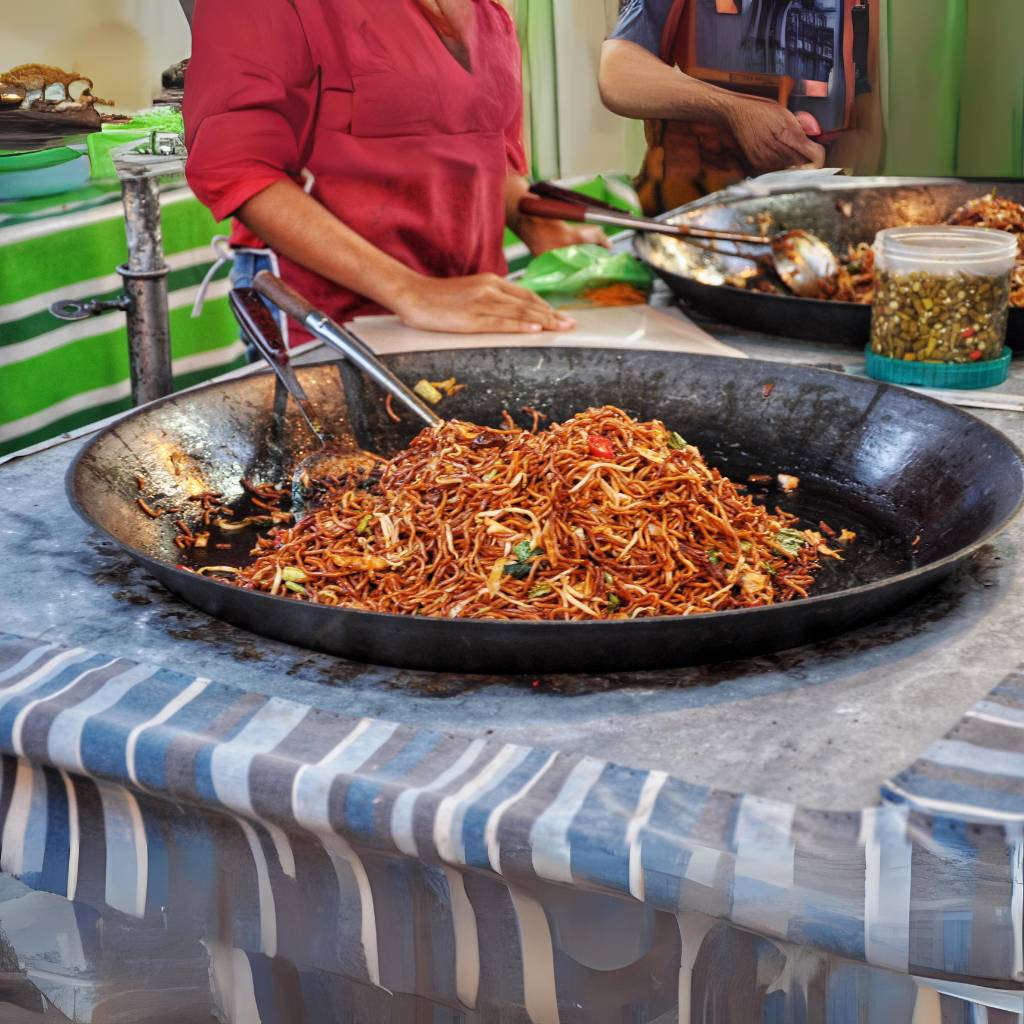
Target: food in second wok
<point>855,279</point>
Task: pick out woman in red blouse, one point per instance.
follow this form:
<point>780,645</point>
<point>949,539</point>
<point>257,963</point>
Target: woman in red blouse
<point>376,147</point>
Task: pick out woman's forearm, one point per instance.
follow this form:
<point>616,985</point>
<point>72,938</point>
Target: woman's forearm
<point>635,83</point>
<point>298,227</point>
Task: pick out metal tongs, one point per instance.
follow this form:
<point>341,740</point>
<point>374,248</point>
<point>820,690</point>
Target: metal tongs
<point>331,460</point>
<point>801,260</point>
<point>260,328</point>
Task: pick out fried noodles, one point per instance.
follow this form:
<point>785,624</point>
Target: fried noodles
<point>598,517</point>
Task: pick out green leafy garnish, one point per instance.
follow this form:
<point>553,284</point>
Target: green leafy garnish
<point>768,569</point>
<point>714,556</point>
<point>524,553</point>
<point>291,574</point>
<point>539,591</point>
<point>675,441</point>
<point>295,588</point>
<point>790,541</point>
<point>364,524</point>
<point>609,578</point>
<point>745,546</point>
<point>614,602</point>
<point>489,475</point>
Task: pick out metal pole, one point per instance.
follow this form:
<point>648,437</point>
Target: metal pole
<point>145,281</point>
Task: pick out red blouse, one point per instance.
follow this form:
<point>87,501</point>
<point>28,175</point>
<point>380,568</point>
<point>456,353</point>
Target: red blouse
<point>405,145</point>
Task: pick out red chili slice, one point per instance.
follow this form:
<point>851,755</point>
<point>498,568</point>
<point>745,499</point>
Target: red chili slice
<point>600,447</point>
<point>968,332</point>
<point>975,355</point>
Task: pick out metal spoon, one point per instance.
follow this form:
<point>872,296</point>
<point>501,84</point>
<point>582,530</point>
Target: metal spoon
<point>801,260</point>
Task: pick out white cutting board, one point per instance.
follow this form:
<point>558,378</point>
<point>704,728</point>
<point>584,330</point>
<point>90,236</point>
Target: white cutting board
<point>641,328</point>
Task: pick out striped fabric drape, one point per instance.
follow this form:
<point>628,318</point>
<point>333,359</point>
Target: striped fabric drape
<point>286,842</point>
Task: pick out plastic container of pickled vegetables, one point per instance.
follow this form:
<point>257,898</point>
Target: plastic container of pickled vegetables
<point>941,294</point>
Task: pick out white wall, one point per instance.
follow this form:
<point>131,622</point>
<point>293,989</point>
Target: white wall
<point>122,45</point>
<point>591,139</point>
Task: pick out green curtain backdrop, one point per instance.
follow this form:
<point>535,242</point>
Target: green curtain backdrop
<point>955,91</point>
<point>992,100</point>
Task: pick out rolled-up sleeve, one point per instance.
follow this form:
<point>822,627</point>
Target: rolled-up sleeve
<point>643,22</point>
<point>250,97</point>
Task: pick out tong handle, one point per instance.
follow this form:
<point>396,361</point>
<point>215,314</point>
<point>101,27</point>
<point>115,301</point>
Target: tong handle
<point>547,190</point>
<point>284,297</point>
<point>555,209</point>
<point>352,348</point>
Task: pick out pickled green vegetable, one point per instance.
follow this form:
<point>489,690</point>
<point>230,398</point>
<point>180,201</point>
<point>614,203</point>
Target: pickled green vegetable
<point>922,317</point>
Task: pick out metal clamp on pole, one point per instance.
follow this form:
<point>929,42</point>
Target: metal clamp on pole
<point>149,346</point>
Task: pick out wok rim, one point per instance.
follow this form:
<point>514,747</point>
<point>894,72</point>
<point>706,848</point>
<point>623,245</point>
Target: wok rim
<point>942,565</point>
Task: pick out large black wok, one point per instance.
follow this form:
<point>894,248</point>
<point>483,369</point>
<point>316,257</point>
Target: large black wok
<point>840,217</point>
<point>892,465</point>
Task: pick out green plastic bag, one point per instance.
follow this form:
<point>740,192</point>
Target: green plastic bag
<point>576,269</point>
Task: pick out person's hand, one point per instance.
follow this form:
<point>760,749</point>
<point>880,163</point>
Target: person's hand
<point>541,234</point>
<point>771,138</point>
<point>483,303</point>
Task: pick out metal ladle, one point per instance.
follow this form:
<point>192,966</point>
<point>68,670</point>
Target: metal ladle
<point>801,260</point>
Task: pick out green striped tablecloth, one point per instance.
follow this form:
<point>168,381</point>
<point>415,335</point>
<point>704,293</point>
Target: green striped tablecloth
<point>57,376</point>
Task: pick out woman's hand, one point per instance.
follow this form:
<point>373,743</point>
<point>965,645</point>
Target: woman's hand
<point>771,138</point>
<point>484,303</point>
<point>541,235</point>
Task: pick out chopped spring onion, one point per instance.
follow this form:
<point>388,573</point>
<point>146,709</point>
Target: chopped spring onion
<point>523,552</point>
<point>714,556</point>
<point>542,590</point>
<point>790,541</point>
<point>293,574</point>
<point>364,524</point>
<point>295,588</point>
<point>675,441</point>
<point>614,602</point>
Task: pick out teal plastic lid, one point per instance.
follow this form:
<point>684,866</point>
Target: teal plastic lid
<point>983,374</point>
